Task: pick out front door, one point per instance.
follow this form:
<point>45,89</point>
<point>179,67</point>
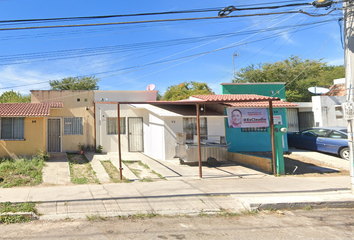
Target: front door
<point>54,138</point>
<point>135,131</point>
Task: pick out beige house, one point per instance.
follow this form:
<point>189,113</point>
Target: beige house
<point>71,125</point>
<point>23,127</point>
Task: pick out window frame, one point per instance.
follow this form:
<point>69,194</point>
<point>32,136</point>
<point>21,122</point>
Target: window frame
<point>193,121</point>
<point>22,128</point>
<point>73,129</point>
<point>115,132</point>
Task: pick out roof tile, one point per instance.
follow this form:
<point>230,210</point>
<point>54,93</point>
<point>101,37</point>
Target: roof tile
<point>27,109</point>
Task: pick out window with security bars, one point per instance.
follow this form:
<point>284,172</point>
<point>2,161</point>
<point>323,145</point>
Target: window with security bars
<point>73,126</point>
<point>112,125</point>
<point>190,127</point>
<point>13,128</point>
<point>254,129</point>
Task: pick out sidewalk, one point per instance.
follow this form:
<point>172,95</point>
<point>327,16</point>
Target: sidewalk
<point>184,197</point>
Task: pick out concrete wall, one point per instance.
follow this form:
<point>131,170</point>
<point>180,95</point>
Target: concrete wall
<point>35,138</point>
<point>264,89</point>
<point>104,110</point>
<point>254,141</point>
<point>324,110</point>
<point>77,103</point>
<point>161,133</point>
<point>256,162</point>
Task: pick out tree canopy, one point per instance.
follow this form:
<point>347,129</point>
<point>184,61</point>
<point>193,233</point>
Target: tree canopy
<point>75,83</point>
<point>185,90</point>
<point>14,97</point>
<point>298,75</point>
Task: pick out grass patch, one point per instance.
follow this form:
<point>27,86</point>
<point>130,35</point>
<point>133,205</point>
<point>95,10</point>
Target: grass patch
<point>158,174</point>
<point>93,218</point>
<point>142,171</point>
<point>113,172</point>
<point>81,171</point>
<point>21,172</point>
<point>17,207</point>
<point>143,164</point>
<point>13,208</point>
<point>14,219</point>
<point>140,216</point>
<point>308,207</point>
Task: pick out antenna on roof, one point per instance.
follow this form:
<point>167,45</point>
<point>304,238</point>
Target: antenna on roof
<point>150,87</point>
<point>318,90</point>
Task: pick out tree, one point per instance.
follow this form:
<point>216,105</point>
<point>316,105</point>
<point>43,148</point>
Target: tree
<point>298,74</point>
<point>14,97</point>
<point>185,90</point>
<point>75,83</point>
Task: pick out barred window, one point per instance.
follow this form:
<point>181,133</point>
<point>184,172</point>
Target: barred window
<point>190,127</point>
<point>73,126</point>
<point>112,125</point>
<point>13,128</point>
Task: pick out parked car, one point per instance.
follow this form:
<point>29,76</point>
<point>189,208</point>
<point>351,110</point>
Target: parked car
<point>323,139</point>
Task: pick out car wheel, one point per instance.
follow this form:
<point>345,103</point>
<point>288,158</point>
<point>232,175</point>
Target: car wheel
<point>212,162</point>
<point>344,153</point>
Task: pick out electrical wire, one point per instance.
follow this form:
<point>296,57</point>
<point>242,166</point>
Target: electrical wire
<point>164,20</point>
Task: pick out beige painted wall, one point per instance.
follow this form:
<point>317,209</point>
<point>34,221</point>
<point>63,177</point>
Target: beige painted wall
<point>35,138</point>
<point>75,105</point>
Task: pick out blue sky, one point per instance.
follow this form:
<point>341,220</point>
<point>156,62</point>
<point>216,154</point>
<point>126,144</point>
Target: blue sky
<point>121,56</point>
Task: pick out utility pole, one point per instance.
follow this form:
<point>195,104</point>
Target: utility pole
<point>233,63</point>
<point>348,107</point>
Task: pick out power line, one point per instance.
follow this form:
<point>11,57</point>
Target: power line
<point>164,20</point>
<point>88,52</point>
<point>239,8</point>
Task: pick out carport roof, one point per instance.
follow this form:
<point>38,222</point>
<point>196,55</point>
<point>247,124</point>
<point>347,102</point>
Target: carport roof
<point>27,109</point>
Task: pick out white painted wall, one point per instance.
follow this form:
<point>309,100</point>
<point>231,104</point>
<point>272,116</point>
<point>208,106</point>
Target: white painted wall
<point>163,131</point>
<point>104,110</point>
<point>325,112</point>
<point>125,96</point>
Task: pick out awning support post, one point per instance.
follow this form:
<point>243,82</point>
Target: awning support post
<point>119,148</point>
<point>199,145</point>
<point>271,120</point>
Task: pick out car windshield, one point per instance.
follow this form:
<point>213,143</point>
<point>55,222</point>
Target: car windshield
<point>344,130</point>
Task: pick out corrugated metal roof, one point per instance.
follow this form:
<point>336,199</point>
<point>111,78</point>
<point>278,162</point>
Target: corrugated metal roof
<point>27,109</point>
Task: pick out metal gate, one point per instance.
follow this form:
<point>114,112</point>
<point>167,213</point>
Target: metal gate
<point>54,138</point>
<point>293,119</point>
<point>306,120</point>
<point>135,138</point>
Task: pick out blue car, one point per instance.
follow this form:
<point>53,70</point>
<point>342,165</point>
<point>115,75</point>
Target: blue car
<point>323,139</point>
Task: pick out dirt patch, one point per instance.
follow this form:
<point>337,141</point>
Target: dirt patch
<point>301,165</point>
<point>81,171</point>
<point>142,171</point>
<point>113,172</point>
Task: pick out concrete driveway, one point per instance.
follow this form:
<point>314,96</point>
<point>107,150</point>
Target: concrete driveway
<point>173,170</point>
<point>332,160</point>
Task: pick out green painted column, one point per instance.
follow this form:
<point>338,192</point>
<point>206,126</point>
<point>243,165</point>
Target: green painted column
<point>279,131</point>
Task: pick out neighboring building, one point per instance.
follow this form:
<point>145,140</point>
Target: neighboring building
<point>257,139</point>
<point>324,110</point>
<point>23,127</point>
<point>71,125</point>
<point>132,121</point>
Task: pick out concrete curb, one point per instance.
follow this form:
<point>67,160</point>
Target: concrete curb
<point>301,205</point>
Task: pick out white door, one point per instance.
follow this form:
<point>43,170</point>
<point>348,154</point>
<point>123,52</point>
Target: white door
<point>135,134</point>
